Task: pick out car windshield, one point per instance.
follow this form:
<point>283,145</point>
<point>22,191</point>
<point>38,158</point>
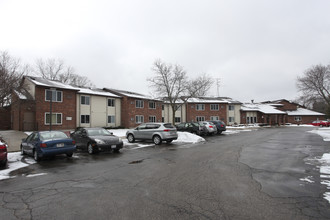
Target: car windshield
<point>49,135</point>
<point>98,132</point>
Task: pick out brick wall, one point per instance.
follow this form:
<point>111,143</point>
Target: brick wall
<point>129,111</point>
<point>287,106</point>
<point>67,107</point>
<point>304,119</point>
<point>192,113</point>
<point>5,118</point>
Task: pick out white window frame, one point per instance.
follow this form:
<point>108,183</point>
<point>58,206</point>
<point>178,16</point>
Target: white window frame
<point>139,119</point>
<point>200,107</point>
<point>112,103</point>
<point>177,119</point>
<point>89,119</point>
<point>152,118</point>
<point>214,118</point>
<point>231,107</point>
<point>298,118</point>
<point>53,122</point>
<point>85,100</point>
<point>112,119</point>
<point>56,95</point>
<point>200,118</point>
<point>214,107</point>
<point>139,103</point>
<point>152,105</point>
<point>231,119</point>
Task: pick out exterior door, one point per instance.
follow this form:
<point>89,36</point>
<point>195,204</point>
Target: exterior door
<point>29,121</point>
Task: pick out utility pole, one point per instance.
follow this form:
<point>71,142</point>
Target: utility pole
<point>218,86</point>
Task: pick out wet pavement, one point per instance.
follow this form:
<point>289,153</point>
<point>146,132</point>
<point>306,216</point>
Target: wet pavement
<point>250,175</point>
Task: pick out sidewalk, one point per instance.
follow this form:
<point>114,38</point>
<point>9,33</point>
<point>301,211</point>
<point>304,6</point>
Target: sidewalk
<point>13,139</point>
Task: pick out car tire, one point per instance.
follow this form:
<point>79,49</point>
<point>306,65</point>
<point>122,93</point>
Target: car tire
<point>90,149</point>
<point>220,132</point>
<point>131,138</point>
<point>36,156</point>
<point>22,150</point>
<point>157,139</point>
<point>69,154</point>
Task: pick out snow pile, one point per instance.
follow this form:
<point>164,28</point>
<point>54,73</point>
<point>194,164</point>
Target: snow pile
<point>186,137</point>
<point>14,163</point>
<point>325,174</point>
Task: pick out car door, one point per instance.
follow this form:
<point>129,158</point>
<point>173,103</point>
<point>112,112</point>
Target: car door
<point>76,136</point>
<point>139,133</point>
<point>32,142</point>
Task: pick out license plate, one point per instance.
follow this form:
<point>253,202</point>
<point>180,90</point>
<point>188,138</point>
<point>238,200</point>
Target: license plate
<point>113,146</point>
<point>60,145</point>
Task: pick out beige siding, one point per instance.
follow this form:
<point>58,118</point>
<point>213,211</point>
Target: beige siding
<point>236,114</point>
<point>167,113</point>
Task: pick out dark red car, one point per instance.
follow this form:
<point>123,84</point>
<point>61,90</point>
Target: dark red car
<point>320,123</point>
<point>3,153</point>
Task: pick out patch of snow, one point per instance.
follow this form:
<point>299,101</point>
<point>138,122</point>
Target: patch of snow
<point>323,132</point>
<point>14,163</point>
<point>34,175</point>
<point>186,137</point>
<point>307,179</point>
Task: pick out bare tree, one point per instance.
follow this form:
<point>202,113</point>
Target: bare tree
<point>11,73</point>
<point>171,81</point>
<point>315,85</point>
<point>55,69</point>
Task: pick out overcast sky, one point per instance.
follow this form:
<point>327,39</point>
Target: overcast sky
<point>257,48</point>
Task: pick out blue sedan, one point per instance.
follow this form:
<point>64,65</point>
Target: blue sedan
<point>41,144</point>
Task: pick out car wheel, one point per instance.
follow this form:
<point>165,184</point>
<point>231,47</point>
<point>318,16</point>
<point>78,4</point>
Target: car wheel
<point>321,125</point>
<point>36,156</point>
<point>69,154</point>
<point>130,138</point>
<point>219,132</point>
<point>90,149</point>
<point>22,150</point>
<point>157,139</point>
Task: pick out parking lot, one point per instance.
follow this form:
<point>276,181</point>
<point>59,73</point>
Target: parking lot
<point>269,173</point>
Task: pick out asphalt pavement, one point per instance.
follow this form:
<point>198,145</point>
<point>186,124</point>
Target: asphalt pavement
<point>250,175</point>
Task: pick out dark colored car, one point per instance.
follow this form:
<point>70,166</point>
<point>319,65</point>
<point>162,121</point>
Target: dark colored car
<point>192,127</point>
<point>3,153</point>
<point>221,126</point>
<point>96,139</point>
<point>41,144</point>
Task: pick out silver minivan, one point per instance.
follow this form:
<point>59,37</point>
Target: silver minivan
<point>157,132</point>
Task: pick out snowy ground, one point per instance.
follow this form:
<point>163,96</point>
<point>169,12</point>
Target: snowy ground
<point>324,162</point>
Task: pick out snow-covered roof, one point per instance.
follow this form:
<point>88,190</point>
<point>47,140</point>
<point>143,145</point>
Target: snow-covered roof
<point>99,92</point>
<point>39,81</point>
<point>303,111</point>
<point>263,108</point>
<point>131,94</point>
<point>20,95</point>
<point>201,100</point>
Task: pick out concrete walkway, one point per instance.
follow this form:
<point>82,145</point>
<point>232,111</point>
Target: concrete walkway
<point>13,139</point>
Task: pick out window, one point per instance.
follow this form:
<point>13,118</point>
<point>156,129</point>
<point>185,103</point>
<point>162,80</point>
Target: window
<point>200,118</point>
<point>152,118</point>
<point>231,119</point>
<point>200,107</point>
<point>178,107</point>
<point>231,107</point>
<point>111,119</point>
<point>214,118</point>
<point>111,103</point>
<point>297,118</point>
<point>139,119</point>
<point>177,119</point>
<point>84,119</point>
<point>54,95</point>
<point>84,100</point>
<point>163,107</point>
<point>214,107</point>
<point>56,118</point>
<point>152,105</point>
<point>139,103</point>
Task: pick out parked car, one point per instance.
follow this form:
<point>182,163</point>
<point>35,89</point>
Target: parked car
<point>192,127</point>
<point>41,144</point>
<point>3,153</point>
<point>320,123</point>
<point>96,139</point>
<point>221,126</point>
<point>157,132</point>
<point>210,127</point>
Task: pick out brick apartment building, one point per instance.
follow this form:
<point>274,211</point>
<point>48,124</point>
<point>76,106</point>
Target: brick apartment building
<point>137,108</point>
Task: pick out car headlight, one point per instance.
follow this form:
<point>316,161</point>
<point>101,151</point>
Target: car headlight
<point>99,141</point>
